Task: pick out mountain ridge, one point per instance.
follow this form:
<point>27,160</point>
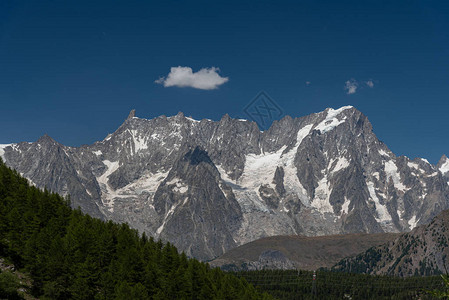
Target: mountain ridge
<point>321,174</point>
<point>299,252</point>
<point>423,251</point>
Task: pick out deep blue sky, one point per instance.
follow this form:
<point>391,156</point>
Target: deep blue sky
<point>74,69</point>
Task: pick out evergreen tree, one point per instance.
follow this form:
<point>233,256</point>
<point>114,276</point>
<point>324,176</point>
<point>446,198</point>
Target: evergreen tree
<point>70,255</point>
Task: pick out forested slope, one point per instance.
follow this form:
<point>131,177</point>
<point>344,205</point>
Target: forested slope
<point>70,255</point>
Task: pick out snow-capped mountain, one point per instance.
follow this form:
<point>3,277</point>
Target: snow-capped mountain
<point>210,186</point>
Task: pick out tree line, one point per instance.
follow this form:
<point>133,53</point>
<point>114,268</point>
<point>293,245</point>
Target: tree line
<point>293,284</point>
<point>70,255</point>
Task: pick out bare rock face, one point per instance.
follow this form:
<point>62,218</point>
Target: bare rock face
<point>210,186</point>
<point>193,195</point>
<point>132,114</point>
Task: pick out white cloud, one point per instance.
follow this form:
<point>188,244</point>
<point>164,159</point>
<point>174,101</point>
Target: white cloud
<point>370,83</point>
<point>351,86</point>
<point>308,83</point>
<point>204,79</point>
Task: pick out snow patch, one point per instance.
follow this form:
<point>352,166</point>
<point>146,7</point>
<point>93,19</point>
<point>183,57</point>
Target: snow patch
<point>111,167</point>
<point>425,160</point>
<point>97,153</point>
<point>331,121</point>
<point>341,164</point>
<point>322,194</point>
<point>147,183</point>
<point>412,222</point>
<point>103,181</point>
<point>170,212</point>
<point>383,153</point>
<point>179,185</point>
<point>382,213</point>
<point>192,120</point>
<point>140,143</point>
<point>2,150</point>
<point>392,172</point>
<point>259,170</point>
<point>445,167</point>
<point>413,165</point>
<point>345,206</point>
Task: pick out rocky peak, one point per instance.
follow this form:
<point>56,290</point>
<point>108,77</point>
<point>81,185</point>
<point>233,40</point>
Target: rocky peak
<point>197,156</point>
<point>179,115</point>
<point>132,114</point>
<point>225,119</point>
<point>193,190</point>
<point>443,166</point>
<point>46,140</point>
<point>443,160</point>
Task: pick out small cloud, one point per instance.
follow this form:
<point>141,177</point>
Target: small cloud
<point>351,86</point>
<point>370,83</point>
<point>204,79</point>
<point>308,83</point>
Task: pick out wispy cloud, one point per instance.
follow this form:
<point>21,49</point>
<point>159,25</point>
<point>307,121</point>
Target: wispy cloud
<point>204,79</point>
<point>351,86</point>
<point>308,83</point>
<point>370,83</point>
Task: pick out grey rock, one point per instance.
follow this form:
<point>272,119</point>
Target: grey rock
<point>210,186</point>
<point>132,114</point>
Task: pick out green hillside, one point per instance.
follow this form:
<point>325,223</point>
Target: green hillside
<point>69,255</point>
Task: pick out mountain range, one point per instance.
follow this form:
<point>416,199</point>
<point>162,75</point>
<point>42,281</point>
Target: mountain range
<point>210,186</point>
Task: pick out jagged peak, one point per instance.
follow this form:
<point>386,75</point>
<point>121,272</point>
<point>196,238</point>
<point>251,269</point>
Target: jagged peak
<point>443,164</point>
<point>132,114</point>
<point>46,139</point>
<point>225,117</point>
<point>339,110</point>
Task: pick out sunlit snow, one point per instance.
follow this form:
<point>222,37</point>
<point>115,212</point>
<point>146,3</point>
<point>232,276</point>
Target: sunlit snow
<point>147,183</point>
<point>345,206</point>
<point>140,143</point>
<point>192,120</point>
<point>382,213</point>
<point>322,194</point>
<point>425,160</point>
<point>260,169</point>
<point>383,153</point>
<point>445,167</point>
<point>392,172</point>
<point>97,153</point>
<point>2,150</point>
<point>341,164</point>
<point>413,222</point>
<point>179,185</point>
<point>331,121</point>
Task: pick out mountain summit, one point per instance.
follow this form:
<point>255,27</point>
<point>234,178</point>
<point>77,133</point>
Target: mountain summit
<point>209,186</point>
